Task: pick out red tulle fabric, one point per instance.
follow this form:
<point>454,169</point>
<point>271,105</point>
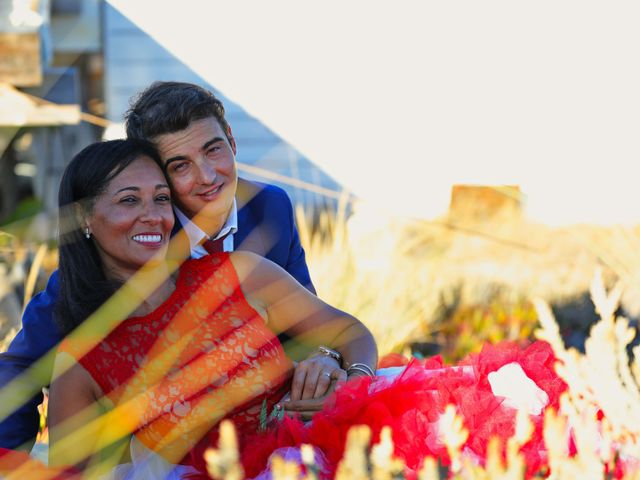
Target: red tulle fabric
<point>411,405</point>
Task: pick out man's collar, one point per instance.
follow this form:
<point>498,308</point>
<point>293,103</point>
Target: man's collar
<point>197,235</point>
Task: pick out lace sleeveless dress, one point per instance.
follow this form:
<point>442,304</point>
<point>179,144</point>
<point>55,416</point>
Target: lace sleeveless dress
<point>202,356</point>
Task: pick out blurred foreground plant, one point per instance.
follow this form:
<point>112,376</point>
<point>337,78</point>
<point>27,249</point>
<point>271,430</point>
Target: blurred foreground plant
<point>602,404</point>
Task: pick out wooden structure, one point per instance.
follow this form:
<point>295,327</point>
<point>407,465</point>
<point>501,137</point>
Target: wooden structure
<point>484,202</point>
<point>20,59</point>
<point>25,53</point>
<point>18,109</point>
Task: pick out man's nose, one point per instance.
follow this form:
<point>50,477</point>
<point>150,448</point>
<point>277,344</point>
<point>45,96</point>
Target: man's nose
<point>207,171</point>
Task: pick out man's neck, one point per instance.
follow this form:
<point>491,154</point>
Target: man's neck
<point>199,226</point>
<point>210,226</point>
<point>196,234</point>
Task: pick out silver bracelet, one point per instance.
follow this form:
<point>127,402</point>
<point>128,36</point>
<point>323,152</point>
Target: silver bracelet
<point>362,368</point>
<point>328,352</point>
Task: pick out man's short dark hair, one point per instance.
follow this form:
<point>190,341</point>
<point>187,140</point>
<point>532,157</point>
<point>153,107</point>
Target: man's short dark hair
<point>167,107</point>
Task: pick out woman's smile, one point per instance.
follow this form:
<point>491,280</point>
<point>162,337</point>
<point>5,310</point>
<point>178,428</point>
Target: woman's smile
<point>153,240</point>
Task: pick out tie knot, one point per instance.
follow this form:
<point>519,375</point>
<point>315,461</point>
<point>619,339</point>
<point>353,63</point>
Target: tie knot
<point>214,246</point>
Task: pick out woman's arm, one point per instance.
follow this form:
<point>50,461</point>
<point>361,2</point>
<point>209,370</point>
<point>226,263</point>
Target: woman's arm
<point>73,409</point>
<point>290,307</point>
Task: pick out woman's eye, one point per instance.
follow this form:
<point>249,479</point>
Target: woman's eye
<point>163,198</point>
<point>128,200</point>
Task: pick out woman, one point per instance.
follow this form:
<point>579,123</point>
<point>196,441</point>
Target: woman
<point>198,344</point>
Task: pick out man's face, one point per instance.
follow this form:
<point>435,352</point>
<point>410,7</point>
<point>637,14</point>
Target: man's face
<point>201,167</point>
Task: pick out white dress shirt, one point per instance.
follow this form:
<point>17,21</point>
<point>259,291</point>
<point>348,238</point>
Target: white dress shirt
<point>197,236</point>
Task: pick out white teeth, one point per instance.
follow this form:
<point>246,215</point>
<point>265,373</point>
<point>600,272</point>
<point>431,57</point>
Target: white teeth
<point>148,238</point>
<point>215,190</point>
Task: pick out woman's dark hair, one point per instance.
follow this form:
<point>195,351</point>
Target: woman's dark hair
<point>83,284</point>
<point>167,107</point>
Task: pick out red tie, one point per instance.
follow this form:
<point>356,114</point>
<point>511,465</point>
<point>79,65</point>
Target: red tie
<point>214,246</point>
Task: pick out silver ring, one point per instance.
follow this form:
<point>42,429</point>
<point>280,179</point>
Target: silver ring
<point>326,374</point>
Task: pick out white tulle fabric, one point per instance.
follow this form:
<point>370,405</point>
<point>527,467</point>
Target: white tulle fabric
<point>146,464</point>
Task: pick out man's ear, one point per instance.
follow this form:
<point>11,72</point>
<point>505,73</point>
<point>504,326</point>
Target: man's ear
<point>232,140</point>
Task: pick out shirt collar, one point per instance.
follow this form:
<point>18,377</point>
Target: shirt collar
<point>196,235</point>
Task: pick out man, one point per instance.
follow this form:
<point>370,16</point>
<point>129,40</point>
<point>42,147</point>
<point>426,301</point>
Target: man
<point>195,142</point>
<point>215,210</point>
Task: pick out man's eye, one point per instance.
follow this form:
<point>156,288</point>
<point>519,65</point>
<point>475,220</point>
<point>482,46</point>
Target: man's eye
<point>213,150</point>
<point>179,167</point>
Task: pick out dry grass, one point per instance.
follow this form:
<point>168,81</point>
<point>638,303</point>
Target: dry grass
<point>407,279</point>
<point>371,278</point>
<point>24,269</point>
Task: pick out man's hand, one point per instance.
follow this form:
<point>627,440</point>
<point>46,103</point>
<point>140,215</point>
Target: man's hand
<point>306,408</point>
<point>314,376</point>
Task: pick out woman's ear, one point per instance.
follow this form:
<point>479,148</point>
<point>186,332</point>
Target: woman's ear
<point>82,219</point>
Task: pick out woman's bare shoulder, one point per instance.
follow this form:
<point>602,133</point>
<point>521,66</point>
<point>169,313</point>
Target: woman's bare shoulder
<point>68,372</point>
<point>262,281</point>
<point>249,265</point>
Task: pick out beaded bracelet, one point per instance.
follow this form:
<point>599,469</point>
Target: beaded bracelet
<point>362,368</point>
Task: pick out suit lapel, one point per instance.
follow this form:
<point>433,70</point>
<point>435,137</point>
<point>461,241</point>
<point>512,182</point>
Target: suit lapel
<point>250,234</point>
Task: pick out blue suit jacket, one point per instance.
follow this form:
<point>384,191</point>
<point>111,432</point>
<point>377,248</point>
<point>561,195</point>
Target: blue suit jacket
<point>265,226</point>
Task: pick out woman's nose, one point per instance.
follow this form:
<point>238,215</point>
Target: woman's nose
<point>151,214</point>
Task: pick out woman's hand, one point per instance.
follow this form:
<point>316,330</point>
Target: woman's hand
<point>323,385</point>
<point>314,377</point>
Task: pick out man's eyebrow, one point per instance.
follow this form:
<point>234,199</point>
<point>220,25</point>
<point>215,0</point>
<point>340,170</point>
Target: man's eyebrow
<point>204,147</point>
<point>173,159</point>
<point>211,142</point>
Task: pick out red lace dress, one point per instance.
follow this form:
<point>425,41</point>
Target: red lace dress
<point>205,354</point>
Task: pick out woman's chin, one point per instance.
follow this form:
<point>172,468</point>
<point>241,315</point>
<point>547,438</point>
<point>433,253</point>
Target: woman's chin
<point>156,259</point>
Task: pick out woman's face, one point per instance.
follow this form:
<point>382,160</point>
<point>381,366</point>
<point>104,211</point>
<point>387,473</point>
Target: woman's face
<point>131,220</point>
